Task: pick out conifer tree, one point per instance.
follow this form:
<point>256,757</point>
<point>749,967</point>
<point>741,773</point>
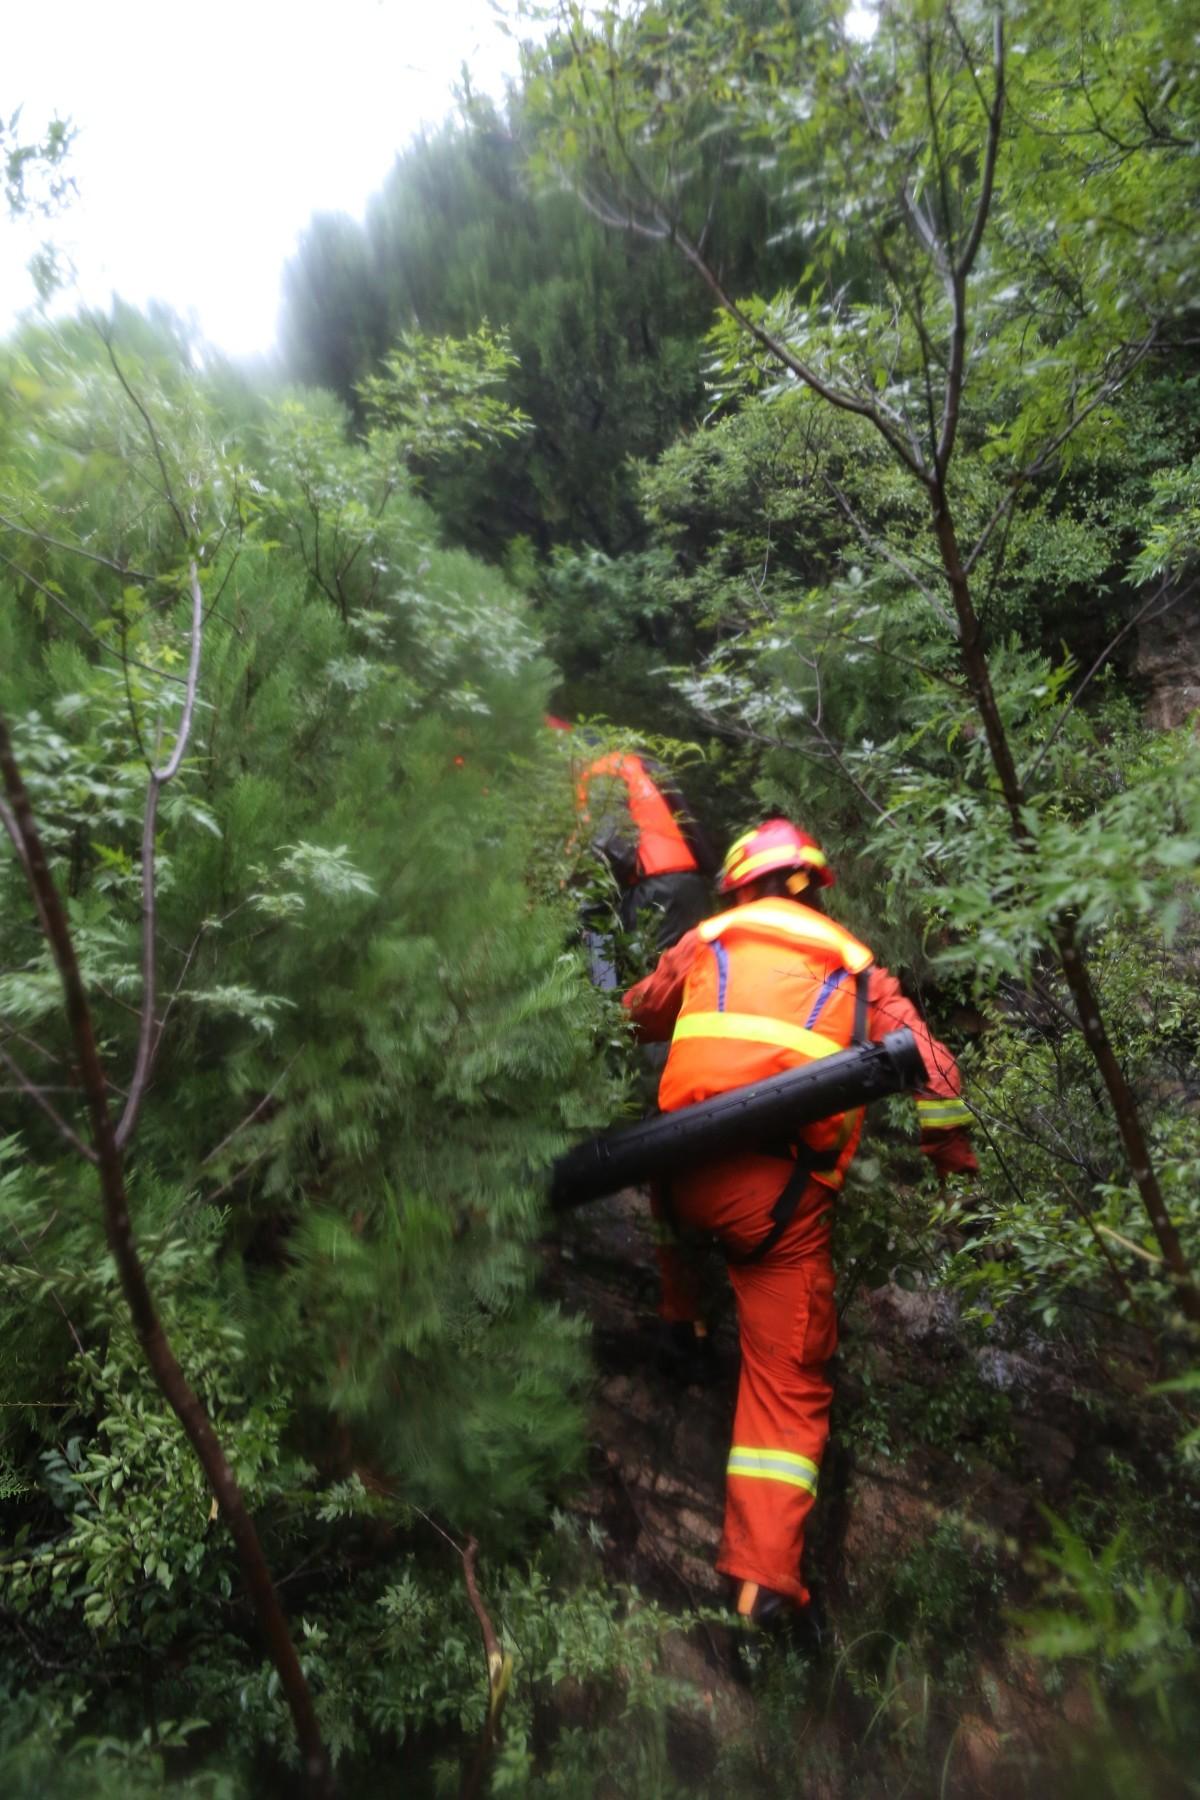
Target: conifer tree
<point>367,1040</point>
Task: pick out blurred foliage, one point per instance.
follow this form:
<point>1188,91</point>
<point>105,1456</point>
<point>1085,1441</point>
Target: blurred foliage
<point>373,1035</point>
<point>606,335</point>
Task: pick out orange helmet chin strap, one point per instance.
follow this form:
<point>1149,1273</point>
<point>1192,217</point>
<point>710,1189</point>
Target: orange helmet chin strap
<point>796,883</point>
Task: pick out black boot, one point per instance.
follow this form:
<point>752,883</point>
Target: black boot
<point>778,1616</point>
<point>686,1352</point>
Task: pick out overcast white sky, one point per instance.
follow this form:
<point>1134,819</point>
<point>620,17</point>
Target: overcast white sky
<point>209,133</point>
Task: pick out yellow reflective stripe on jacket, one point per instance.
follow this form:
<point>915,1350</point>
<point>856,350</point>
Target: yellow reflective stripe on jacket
<point>807,927</point>
<point>942,1115</point>
<point>773,1465</point>
<point>756,1028</point>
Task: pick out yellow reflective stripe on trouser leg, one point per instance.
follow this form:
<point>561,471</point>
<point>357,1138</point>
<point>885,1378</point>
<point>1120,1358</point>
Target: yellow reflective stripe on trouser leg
<point>756,1028</point>
<point>943,1115</point>
<point>773,1465</point>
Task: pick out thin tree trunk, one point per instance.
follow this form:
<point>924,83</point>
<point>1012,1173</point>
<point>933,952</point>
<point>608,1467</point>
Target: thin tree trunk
<point>183,1400</point>
<point>1070,950</point>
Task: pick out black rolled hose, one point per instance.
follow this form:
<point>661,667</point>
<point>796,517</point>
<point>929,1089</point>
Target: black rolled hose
<point>743,1119</point>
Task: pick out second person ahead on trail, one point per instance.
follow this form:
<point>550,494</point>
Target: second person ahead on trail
<point>640,824</point>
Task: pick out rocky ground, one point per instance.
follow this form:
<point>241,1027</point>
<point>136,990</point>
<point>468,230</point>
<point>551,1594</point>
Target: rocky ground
<point>921,1543</point>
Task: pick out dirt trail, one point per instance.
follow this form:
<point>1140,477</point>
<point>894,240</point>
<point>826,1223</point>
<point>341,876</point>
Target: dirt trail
<point>659,1447</point>
<point>952,1513</point>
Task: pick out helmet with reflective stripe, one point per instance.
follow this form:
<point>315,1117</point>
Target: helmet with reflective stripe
<point>774,846</point>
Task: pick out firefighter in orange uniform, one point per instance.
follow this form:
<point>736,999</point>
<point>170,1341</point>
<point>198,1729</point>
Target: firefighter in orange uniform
<point>766,986</point>
<point>641,826</point>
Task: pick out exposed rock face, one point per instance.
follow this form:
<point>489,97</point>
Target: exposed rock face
<point>1168,662</point>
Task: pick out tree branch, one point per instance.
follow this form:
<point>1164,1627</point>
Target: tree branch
<point>168,494</point>
<point>147,1037</point>
<point>57,601</point>
<point>1024,476</point>
<point>9,824</point>
<point>499,1669</point>
<point>1141,617</point>
<point>50,1288</point>
<point>995,117</point>
<point>37,1095</point>
<point>883,549</point>
<point>888,426</point>
<point>617,221</point>
<point>105,562</point>
<point>251,1115</point>
<point>952,399</point>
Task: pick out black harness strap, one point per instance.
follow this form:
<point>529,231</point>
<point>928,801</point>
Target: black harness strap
<point>862,1006</point>
<point>784,1209</point>
<point>808,1162</point>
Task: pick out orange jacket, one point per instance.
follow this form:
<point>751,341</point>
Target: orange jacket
<point>772,985</point>
<point>662,849</point>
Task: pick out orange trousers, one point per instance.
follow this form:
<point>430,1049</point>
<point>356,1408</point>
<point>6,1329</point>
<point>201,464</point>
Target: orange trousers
<point>787,1325</point>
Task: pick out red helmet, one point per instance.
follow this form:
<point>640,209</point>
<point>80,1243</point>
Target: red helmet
<point>776,844</point>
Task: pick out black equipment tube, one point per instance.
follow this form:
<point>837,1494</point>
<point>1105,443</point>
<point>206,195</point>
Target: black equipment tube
<point>743,1119</point>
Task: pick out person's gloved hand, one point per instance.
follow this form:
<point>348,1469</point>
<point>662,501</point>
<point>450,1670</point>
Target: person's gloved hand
<point>950,1152</point>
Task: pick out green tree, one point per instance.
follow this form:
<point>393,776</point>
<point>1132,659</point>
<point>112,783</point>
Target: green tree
<point>1018,280</point>
<point>340,1017</point>
<point>607,336</point>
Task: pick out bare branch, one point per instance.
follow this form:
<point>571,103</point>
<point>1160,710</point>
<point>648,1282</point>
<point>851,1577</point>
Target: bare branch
<point>970,250</point>
<point>952,398</point>
<point>1023,477</point>
<point>1143,616</point>
<point>238,1175</point>
<point>148,1038</point>
<point>253,1114</point>
<point>56,600</point>
<point>499,1667</point>
<point>38,1096</point>
<point>918,218</point>
<point>883,549</point>
<point>491,1643</point>
<point>888,424</point>
<point>161,460</point>
<point>52,543</point>
<point>10,826</point>
<point>941,247</point>
<point>1128,1244</point>
<point>618,221</point>
<point>823,759</point>
<point>50,1288</point>
<point>189,704</point>
<point>182,976</point>
<point>835,754</point>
